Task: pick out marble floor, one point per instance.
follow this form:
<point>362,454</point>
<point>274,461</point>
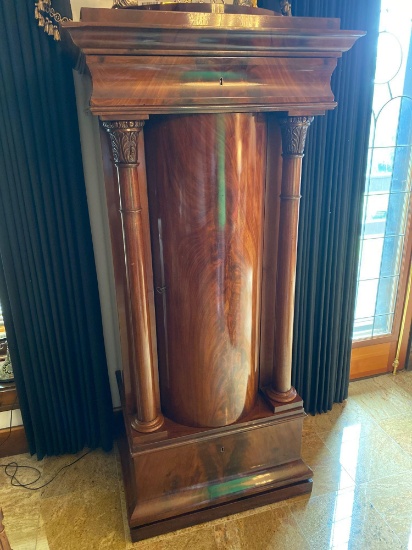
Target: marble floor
<point>360,452</point>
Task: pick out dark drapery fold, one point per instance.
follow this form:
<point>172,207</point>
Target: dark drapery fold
<point>332,186</point>
<point>48,279</point>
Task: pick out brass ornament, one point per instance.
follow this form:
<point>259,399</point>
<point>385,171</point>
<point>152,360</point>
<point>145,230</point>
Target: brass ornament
<point>135,3</point>
<point>48,18</point>
<point>125,3</point>
<point>248,3</point>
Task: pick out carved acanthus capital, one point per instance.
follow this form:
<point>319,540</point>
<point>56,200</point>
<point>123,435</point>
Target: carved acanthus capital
<point>294,129</point>
<point>124,135</point>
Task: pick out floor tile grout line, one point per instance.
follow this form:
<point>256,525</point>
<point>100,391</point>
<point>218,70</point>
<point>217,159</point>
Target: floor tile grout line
<point>384,521</point>
<point>298,526</point>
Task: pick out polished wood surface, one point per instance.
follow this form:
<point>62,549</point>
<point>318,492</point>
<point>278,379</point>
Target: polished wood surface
<point>158,84</point>
<point>206,178</point>
<point>216,512</point>
<point>218,89</point>
<point>149,62</point>
<point>119,267</point>
<point>124,136</point>
<point>203,8</point>
<point>378,355</point>
<point>167,479</point>
<point>293,130</point>
<point>270,250</point>
<point>8,396</point>
<point>13,441</point>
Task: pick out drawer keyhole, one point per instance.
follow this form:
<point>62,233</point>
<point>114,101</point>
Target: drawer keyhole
<point>221,81</point>
<point>222,449</point>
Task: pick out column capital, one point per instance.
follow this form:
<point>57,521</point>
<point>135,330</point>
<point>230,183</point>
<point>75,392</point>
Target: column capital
<point>294,130</point>
<point>124,135</point>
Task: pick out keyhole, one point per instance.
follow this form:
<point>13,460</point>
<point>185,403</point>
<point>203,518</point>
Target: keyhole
<point>221,81</point>
<point>222,449</point>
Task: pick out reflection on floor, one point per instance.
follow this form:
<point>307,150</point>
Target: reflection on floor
<point>361,454</point>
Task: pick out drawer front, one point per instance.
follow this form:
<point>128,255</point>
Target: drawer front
<point>165,84</point>
<point>174,478</point>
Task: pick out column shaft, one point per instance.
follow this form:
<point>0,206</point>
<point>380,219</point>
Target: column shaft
<point>124,137</point>
<point>293,141</point>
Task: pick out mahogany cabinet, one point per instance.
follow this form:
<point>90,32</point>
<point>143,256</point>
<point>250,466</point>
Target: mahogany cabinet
<point>204,110</point>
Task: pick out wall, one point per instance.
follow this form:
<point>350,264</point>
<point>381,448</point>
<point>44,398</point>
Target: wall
<point>99,222</point>
<point>78,4</point>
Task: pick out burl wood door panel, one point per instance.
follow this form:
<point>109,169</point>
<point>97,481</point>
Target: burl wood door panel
<point>206,175</point>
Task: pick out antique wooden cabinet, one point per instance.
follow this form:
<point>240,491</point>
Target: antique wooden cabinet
<point>204,110</point>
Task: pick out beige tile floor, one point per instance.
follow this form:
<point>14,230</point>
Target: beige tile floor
<point>361,454</point>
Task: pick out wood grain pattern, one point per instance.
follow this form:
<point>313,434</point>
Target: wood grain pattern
<point>293,130</point>
<point>13,442</point>
<point>153,83</point>
<point>243,504</point>
<point>170,479</point>
<point>119,268</point>
<point>270,250</point>
<point>164,62</point>
<point>378,355</point>
<point>8,396</point>
<point>140,31</point>
<point>206,191</point>
<point>221,448</point>
<point>124,136</point>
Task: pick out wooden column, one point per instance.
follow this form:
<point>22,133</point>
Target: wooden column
<point>124,137</point>
<point>294,131</point>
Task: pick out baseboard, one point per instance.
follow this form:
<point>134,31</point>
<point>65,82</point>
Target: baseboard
<point>13,441</point>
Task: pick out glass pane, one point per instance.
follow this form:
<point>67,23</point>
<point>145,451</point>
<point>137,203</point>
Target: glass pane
<point>396,215</point>
<point>370,263</point>
<point>387,124</point>
<point>366,298</point>
<point>404,125</point>
<point>382,325</point>
<point>389,58</point>
<point>385,300</point>
<point>401,180</point>
<point>375,216</point>
<point>391,256</point>
<point>380,174</point>
<point>363,328</point>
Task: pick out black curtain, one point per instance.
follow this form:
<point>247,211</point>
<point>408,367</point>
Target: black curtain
<point>48,279</point>
<point>333,178</point>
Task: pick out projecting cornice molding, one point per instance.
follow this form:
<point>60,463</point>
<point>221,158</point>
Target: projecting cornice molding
<point>149,62</point>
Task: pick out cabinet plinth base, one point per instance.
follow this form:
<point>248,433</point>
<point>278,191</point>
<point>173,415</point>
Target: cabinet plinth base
<point>209,514</point>
<point>188,476</point>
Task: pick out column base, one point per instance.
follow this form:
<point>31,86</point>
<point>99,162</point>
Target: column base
<point>148,427</point>
<point>282,401</point>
